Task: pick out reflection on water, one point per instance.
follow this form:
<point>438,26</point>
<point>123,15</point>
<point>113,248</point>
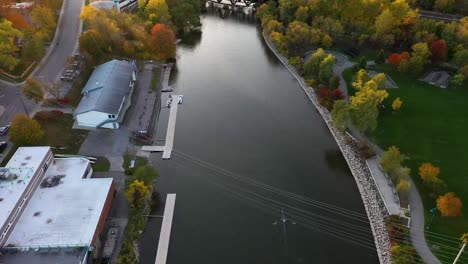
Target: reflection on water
<point>249,142</point>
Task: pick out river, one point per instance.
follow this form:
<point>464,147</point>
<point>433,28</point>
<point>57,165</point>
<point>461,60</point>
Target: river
<point>244,113</point>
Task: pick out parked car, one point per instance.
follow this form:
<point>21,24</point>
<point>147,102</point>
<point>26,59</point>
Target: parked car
<point>4,130</point>
<point>3,145</point>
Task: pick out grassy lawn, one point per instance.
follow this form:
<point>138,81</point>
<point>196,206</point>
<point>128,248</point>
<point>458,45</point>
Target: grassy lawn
<point>101,164</point>
<point>139,161</point>
<point>430,127</point>
<point>58,131</point>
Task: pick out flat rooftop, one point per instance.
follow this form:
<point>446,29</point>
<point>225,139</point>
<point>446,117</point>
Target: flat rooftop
<point>21,167</point>
<point>67,212</point>
<point>44,256</point>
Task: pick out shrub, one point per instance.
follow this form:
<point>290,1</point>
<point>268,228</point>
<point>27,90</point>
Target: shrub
<point>334,82</point>
<point>394,59</point>
<point>380,59</point>
<point>449,204</point>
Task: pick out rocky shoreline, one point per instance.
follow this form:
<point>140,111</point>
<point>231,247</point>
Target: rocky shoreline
<point>373,203</point>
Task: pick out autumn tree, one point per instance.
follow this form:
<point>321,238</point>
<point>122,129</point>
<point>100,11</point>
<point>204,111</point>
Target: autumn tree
<point>396,105</point>
<point>446,6</point>
<point>460,57</point>
<point>394,59</point>
<point>312,65</point>
<point>439,51</point>
<point>33,90</point>
<point>25,131</point>
<point>365,102</point>
<point>327,41</point>
<point>274,25</point>
<point>158,12</point>
<point>44,20</point>
<point>329,26</point>
<point>402,254</point>
<point>91,42</point>
<point>138,193</point>
<point>391,159</point>
<point>403,187</point>
<point>17,20</point>
<point>300,36</point>
<point>326,68</point>
<point>278,40</point>
<point>449,204</point>
<point>419,57</point>
<point>287,9</point>
<point>429,172</point>
<point>163,42</point>
<point>302,14</point>
<point>185,14</point>
<point>400,173</point>
<point>146,174</point>
<point>33,50</point>
<point>7,43</point>
<point>340,115</point>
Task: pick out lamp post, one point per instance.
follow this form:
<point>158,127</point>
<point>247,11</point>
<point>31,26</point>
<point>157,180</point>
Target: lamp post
<point>433,211</point>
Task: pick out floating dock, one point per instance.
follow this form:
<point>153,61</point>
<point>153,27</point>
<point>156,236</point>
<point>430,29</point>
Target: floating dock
<point>171,128</point>
<point>163,245</point>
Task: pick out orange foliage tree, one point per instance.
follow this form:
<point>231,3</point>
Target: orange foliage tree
<point>439,51</point>
<point>17,20</point>
<point>163,41</point>
<point>429,172</point>
<point>394,59</point>
<point>449,204</point>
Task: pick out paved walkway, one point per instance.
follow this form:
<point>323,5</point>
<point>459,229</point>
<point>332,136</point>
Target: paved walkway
<point>385,187</point>
<point>417,226</point>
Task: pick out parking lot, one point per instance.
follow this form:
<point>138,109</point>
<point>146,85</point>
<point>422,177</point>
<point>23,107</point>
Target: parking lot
<point>113,144</point>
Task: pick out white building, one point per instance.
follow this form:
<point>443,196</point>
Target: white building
<point>120,5</point>
<point>106,95</point>
<point>52,210</point>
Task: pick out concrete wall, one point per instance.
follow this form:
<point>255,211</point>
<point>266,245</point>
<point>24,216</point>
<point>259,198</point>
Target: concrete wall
<point>92,118</point>
<point>96,243</point>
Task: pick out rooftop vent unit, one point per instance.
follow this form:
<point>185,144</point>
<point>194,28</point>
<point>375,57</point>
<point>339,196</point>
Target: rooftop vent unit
<point>4,174</point>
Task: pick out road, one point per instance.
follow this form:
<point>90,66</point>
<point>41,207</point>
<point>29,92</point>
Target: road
<point>64,43</point>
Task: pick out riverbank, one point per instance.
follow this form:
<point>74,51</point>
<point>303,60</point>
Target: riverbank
<point>372,201</point>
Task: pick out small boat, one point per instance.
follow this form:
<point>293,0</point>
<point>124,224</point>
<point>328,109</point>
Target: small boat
<point>181,99</point>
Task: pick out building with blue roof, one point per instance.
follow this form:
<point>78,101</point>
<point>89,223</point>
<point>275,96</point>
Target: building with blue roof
<point>106,95</point>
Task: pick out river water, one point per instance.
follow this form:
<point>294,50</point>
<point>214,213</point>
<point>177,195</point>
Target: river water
<point>245,122</point>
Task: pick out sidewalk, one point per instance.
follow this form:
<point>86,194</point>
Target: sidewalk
<point>417,226</point>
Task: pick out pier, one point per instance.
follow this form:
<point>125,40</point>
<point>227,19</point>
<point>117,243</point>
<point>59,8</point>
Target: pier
<point>163,245</point>
<point>167,148</point>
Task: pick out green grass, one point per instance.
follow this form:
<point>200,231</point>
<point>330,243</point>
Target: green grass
<point>101,164</point>
<point>139,161</point>
<point>58,131</point>
<point>430,127</point>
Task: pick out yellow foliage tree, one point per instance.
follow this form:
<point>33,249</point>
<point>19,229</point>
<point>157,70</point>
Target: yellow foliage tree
<point>429,172</point>
<point>397,103</point>
<point>25,131</point>
<point>403,186</point>
<point>464,238</point>
<point>327,41</point>
<point>449,204</point>
<point>137,193</point>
